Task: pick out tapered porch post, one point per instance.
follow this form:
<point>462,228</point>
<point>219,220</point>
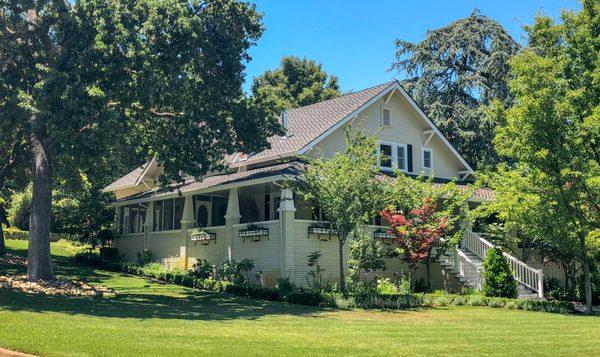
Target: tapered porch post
<point>148,222</point>
<point>287,218</point>
<point>187,222</point>
<point>232,216</point>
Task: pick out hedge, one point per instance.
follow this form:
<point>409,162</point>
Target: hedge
<point>16,234</point>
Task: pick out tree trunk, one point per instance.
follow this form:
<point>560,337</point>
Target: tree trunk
<point>342,273</point>
<point>586,276</point>
<point>2,244</point>
<point>39,264</point>
<point>428,273</point>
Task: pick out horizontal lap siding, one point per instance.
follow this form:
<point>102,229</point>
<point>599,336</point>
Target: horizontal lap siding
<point>215,252</point>
<point>265,253</point>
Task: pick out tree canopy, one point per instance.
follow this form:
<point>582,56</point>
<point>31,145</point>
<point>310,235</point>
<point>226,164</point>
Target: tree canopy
<point>81,80</point>
<point>454,73</point>
<point>553,131</point>
<point>297,82</point>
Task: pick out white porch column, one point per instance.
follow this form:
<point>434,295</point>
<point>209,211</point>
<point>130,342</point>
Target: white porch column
<point>287,221</point>
<point>187,222</point>
<point>149,221</point>
<point>232,216</point>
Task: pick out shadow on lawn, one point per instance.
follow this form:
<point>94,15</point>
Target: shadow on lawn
<point>133,302</point>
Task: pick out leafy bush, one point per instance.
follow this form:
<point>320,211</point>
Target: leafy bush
<point>110,258</point>
<point>305,298</point>
<point>284,287</point>
<point>202,269</point>
<point>88,258</point>
<point>20,207</point>
<point>235,272</point>
<point>386,287</point>
<point>498,278</point>
<point>17,234</point>
<point>144,258</point>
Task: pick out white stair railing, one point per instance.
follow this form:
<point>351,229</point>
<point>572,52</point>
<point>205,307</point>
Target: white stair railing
<point>464,266</point>
<point>523,273</point>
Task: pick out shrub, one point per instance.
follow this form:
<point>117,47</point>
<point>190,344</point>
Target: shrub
<point>284,286</point>
<point>498,278</point>
<point>386,287</point>
<point>144,257</point>
<point>595,282</point>
<point>202,269</point>
<point>88,258</point>
<point>235,272</point>
<point>110,258</point>
<point>305,298</point>
<point>259,292</point>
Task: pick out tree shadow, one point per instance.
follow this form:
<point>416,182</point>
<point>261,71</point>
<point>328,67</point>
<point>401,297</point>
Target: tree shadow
<point>139,298</point>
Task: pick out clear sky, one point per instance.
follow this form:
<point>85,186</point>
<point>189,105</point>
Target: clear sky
<point>354,40</point>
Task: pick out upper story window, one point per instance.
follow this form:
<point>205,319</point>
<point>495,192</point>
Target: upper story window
<point>392,156</point>
<point>427,158</point>
<point>385,116</point>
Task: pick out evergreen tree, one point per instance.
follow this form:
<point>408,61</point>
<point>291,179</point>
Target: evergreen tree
<point>498,278</point>
<point>454,73</point>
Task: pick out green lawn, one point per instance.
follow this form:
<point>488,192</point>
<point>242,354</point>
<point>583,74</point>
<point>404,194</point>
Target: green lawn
<point>154,319</point>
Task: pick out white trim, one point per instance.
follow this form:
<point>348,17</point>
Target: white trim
<point>414,105</point>
<point>389,96</point>
<point>251,161</point>
<point>394,148</point>
<point>211,189</point>
<point>145,171</point>
<point>423,149</point>
<point>430,133</point>
<point>435,129</point>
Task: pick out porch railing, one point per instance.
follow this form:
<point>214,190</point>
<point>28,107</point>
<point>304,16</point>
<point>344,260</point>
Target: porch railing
<point>467,269</point>
<point>523,273</point>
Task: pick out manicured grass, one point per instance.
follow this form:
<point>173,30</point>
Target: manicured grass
<point>155,319</point>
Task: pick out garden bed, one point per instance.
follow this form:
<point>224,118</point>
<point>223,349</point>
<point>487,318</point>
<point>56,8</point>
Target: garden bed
<point>59,286</point>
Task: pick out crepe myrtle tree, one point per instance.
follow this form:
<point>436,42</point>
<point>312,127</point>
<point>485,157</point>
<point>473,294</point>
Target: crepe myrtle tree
<point>345,187</point>
<point>426,219</point>
<point>162,78</point>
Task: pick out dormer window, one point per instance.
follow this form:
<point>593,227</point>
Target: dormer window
<point>385,116</point>
<point>427,158</point>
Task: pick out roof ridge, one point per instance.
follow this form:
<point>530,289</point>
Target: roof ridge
<point>386,84</point>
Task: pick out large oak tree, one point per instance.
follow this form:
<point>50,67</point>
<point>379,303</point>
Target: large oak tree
<point>157,78</point>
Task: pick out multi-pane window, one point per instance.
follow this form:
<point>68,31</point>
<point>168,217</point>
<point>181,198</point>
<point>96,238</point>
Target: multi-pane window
<point>209,211</point>
<point>168,213</point>
<point>385,156</point>
<point>132,218</point>
<point>427,158</point>
<point>393,155</point>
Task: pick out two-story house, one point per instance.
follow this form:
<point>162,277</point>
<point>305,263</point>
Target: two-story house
<point>248,214</point>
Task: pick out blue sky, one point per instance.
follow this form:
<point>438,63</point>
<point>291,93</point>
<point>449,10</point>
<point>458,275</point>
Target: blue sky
<point>354,40</point>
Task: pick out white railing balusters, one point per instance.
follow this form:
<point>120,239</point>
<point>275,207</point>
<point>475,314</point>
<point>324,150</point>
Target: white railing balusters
<point>523,273</point>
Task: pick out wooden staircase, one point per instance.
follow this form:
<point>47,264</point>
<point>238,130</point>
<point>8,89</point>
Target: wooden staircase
<point>465,262</point>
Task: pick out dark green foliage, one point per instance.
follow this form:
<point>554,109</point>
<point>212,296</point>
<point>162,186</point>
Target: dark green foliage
<point>235,272</point>
<point>305,298</point>
<point>91,82</point>
<point>285,286</point>
<point>498,276</point>
<point>297,82</point>
<point>144,257</point>
<point>454,74</point>
<point>202,269</point>
<point>88,258</point>
<point>594,282</point>
<point>367,254</point>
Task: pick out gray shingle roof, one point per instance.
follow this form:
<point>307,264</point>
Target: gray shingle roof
<point>305,124</point>
<point>127,180</point>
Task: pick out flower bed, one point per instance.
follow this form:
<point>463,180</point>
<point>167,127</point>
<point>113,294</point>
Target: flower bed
<point>59,286</point>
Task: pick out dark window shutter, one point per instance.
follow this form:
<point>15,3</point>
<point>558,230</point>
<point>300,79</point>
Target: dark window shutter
<point>410,157</point>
